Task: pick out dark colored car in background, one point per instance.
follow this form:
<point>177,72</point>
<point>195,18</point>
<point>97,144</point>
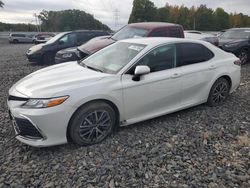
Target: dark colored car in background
<point>45,53</point>
<point>43,37</point>
<point>144,29</point>
<point>237,41</point>
<point>71,54</point>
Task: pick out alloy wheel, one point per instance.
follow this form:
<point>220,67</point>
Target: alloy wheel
<point>220,93</point>
<point>95,126</point>
<point>243,57</point>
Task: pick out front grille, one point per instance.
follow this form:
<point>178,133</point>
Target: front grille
<point>26,129</point>
<point>14,98</point>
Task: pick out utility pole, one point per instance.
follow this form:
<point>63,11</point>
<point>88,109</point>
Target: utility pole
<point>37,22</point>
<point>116,18</point>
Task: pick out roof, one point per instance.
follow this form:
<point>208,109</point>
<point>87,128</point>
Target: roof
<point>154,41</point>
<point>153,25</point>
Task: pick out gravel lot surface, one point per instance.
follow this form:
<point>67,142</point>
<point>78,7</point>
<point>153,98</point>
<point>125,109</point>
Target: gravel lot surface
<point>198,147</point>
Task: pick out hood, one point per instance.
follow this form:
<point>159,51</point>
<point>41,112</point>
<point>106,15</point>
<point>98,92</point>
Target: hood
<point>96,44</point>
<point>223,41</point>
<point>35,48</point>
<point>56,80</point>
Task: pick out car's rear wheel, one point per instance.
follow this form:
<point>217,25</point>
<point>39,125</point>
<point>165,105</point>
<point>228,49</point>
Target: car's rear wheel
<point>219,92</point>
<point>244,56</point>
<point>49,58</point>
<point>92,123</point>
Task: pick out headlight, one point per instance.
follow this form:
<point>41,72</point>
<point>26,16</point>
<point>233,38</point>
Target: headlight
<point>231,45</point>
<point>44,103</point>
<point>68,55</point>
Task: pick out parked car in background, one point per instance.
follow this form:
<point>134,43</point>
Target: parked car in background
<point>127,82</point>
<point>237,41</point>
<point>43,37</point>
<point>135,30</point>
<point>72,54</point>
<point>202,36</point>
<point>20,38</point>
<point>45,53</point>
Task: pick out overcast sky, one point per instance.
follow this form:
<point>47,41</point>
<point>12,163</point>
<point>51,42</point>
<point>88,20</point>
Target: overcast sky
<point>21,11</point>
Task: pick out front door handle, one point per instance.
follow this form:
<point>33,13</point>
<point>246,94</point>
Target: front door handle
<point>212,67</point>
<point>176,75</point>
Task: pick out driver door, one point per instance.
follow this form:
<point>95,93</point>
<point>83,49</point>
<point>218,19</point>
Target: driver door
<point>156,93</point>
<point>67,41</point>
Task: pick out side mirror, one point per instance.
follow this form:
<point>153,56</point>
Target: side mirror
<point>139,71</point>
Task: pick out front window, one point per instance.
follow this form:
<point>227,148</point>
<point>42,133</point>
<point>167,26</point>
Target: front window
<point>113,58</point>
<point>236,34</point>
<point>130,32</point>
<point>55,38</point>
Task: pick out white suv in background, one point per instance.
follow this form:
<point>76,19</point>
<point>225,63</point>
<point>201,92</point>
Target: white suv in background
<point>21,38</point>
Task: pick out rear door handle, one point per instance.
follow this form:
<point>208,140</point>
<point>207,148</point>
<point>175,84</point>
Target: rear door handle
<point>176,75</point>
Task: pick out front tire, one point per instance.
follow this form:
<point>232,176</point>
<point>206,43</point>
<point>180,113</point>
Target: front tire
<point>49,58</point>
<point>244,56</point>
<point>219,92</point>
<point>92,123</point>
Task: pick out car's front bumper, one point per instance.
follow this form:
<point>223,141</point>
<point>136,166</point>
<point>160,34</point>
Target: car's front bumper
<point>41,127</point>
<point>34,57</point>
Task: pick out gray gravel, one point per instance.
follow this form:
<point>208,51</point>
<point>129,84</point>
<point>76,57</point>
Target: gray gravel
<point>198,147</point>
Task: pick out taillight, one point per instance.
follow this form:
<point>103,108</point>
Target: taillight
<point>237,62</point>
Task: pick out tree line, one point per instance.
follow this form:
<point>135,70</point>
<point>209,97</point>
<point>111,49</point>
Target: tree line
<point>199,18</point>
<point>58,21</point>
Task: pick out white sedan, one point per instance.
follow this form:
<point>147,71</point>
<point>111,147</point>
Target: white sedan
<point>127,82</point>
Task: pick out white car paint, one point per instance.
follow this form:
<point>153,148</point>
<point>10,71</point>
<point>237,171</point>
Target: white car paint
<point>156,94</point>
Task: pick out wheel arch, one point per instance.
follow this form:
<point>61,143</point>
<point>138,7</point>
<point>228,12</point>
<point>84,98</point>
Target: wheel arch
<point>109,102</point>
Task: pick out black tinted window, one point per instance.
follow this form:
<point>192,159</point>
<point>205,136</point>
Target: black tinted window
<point>158,34</point>
<point>174,32</point>
<point>84,37</point>
<point>190,53</point>
<point>18,35</point>
<point>159,59</point>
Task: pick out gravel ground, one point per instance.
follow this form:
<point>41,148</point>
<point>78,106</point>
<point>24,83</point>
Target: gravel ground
<point>198,147</point>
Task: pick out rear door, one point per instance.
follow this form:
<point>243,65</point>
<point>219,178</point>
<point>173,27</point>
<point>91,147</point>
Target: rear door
<point>198,68</point>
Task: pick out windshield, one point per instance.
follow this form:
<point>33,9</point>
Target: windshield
<point>236,34</point>
<point>113,58</point>
<point>55,38</point>
<point>130,32</point>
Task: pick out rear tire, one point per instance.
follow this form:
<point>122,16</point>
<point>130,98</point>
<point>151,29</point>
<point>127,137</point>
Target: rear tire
<point>92,123</point>
<point>244,56</point>
<point>219,92</point>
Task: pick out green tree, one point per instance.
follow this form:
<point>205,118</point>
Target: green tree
<point>1,4</point>
<point>221,19</point>
<point>69,20</point>
<point>204,18</point>
<point>143,11</point>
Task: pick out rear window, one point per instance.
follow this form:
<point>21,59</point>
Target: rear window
<point>159,33</point>
<point>191,53</point>
<point>174,32</point>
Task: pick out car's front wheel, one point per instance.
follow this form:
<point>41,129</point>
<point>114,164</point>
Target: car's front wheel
<point>219,92</point>
<point>49,58</point>
<point>244,56</point>
<point>92,123</point>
